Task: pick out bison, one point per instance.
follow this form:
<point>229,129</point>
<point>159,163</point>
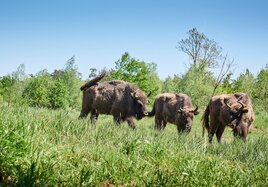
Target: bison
<point>121,99</point>
<point>233,110</point>
<point>173,108</point>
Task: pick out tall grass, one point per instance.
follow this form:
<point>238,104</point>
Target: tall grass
<point>40,147</point>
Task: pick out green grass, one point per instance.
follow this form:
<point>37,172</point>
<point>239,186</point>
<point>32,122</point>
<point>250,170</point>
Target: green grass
<point>40,147</point>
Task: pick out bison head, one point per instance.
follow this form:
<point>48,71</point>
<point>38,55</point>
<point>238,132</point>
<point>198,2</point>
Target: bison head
<point>235,111</point>
<point>140,104</point>
<point>185,118</point>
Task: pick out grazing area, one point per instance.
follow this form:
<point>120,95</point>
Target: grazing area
<point>134,93</point>
<point>54,148</point>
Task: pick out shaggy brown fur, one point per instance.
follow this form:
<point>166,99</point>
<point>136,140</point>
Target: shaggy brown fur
<point>121,99</point>
<point>233,110</point>
<point>173,108</point>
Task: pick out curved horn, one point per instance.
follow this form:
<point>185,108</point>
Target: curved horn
<point>181,110</point>
<point>239,98</point>
<point>225,102</point>
<point>196,108</point>
<point>242,105</point>
<point>134,94</point>
<point>150,92</point>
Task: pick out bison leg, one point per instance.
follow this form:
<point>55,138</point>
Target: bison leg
<point>84,112</point>
<point>94,117</point>
<point>164,124</point>
<point>212,129</point>
<point>159,123</point>
<point>131,123</point>
<point>219,132</point>
<point>117,120</point>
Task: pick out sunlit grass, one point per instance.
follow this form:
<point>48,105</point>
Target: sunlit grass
<point>44,147</point>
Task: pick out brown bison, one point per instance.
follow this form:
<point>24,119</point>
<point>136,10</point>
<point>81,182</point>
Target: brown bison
<point>233,110</point>
<point>173,108</point>
<point>118,98</point>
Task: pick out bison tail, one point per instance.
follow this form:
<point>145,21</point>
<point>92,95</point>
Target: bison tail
<point>205,119</point>
<point>152,113</point>
<point>93,81</point>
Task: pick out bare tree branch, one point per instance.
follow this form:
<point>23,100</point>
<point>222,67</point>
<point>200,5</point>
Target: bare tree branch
<point>225,67</point>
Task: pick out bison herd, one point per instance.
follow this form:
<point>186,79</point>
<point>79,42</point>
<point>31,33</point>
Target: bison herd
<point>124,101</point>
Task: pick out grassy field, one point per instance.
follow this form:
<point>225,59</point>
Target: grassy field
<point>40,147</point>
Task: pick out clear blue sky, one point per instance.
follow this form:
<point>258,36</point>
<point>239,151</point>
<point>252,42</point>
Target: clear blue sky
<point>45,34</point>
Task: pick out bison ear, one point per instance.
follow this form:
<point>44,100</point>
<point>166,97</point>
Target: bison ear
<point>245,110</point>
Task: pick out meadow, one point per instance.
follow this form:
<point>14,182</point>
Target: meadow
<point>42,147</point>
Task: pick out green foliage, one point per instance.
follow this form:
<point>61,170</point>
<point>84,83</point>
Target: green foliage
<point>57,90</point>
<point>138,72</point>
<point>198,84</point>
<point>70,78</point>
<point>37,90</point>
<point>11,86</point>
<point>41,147</point>
<point>226,86</point>
<point>261,90</point>
<point>58,95</point>
<point>170,84</point>
<point>244,83</point>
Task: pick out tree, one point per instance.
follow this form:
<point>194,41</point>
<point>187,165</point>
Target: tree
<point>200,49</point>
<point>245,83</point>
<point>11,86</point>
<point>197,83</point>
<point>58,95</point>
<point>205,53</point>
<point>36,91</point>
<point>70,78</point>
<point>138,72</point>
<point>170,84</point>
<point>261,90</point>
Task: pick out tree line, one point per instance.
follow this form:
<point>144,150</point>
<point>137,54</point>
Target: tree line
<point>60,89</point>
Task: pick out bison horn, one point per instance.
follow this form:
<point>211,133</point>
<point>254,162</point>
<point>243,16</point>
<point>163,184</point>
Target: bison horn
<point>225,102</point>
<point>149,94</point>
<point>242,105</point>
<point>181,110</point>
<point>134,95</point>
<point>196,110</point>
<point>239,98</point>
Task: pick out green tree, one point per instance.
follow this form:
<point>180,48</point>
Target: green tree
<point>204,53</point>
<point>261,90</point>
<point>226,86</point>
<point>36,91</point>
<point>170,84</point>
<point>11,86</point>
<point>71,79</point>
<point>198,84</point>
<point>245,83</point>
<point>58,95</point>
<point>138,72</point>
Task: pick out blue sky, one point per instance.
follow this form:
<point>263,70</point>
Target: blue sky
<point>45,34</point>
